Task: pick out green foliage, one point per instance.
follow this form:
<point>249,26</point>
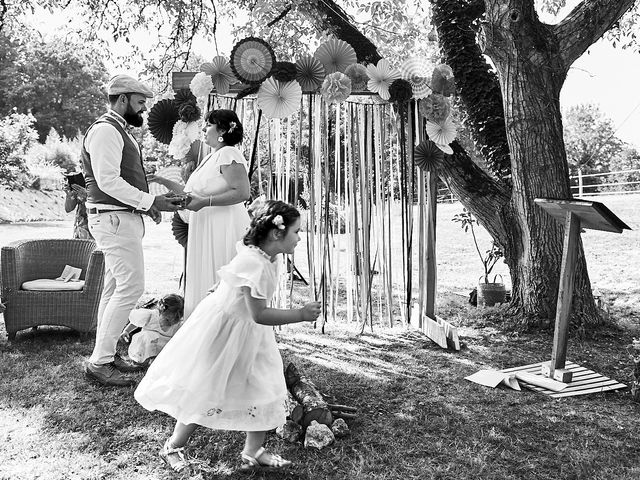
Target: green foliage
<point>590,140</point>
<point>59,151</point>
<point>16,136</point>
<point>59,81</point>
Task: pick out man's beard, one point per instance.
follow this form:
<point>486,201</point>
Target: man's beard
<point>134,119</point>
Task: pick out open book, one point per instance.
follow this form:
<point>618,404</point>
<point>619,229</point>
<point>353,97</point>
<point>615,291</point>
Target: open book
<point>70,274</point>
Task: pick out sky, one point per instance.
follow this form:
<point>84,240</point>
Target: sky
<point>604,75</point>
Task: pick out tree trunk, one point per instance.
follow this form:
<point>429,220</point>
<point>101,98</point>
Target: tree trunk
<point>305,392</point>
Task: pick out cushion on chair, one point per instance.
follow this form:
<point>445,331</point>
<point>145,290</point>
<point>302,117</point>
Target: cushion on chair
<point>49,285</point>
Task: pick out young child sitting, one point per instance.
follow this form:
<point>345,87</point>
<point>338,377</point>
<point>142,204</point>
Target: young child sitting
<point>149,329</point>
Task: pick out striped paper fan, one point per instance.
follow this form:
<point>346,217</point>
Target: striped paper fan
<point>252,60</point>
<point>416,71</point>
<point>279,99</point>
<point>309,73</point>
<point>335,55</point>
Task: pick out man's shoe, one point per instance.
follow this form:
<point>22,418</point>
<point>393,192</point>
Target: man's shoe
<point>127,366</point>
<point>107,375</point>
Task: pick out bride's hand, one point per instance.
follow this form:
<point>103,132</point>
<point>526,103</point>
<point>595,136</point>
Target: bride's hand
<point>197,203</point>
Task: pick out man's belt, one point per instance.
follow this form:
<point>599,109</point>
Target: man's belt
<point>93,211</point>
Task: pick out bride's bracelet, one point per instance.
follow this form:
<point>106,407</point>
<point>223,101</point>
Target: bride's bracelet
<point>210,200</point>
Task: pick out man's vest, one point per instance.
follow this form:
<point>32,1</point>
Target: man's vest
<point>131,168</point>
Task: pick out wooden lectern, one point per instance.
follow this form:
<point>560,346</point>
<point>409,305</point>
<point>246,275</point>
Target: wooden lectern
<point>575,214</point>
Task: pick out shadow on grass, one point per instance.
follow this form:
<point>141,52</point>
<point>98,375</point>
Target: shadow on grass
<point>417,416</point>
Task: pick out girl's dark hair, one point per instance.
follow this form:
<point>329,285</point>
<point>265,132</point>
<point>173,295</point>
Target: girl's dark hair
<point>262,216</point>
<point>228,121</point>
<point>172,305</point>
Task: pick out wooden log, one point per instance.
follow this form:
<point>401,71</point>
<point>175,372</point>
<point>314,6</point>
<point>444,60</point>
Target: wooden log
<point>344,415</point>
<point>343,408</point>
<point>306,393</point>
<point>294,409</point>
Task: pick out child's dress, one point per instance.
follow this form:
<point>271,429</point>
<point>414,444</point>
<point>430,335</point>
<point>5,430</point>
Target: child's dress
<point>149,341</point>
<point>222,370</point>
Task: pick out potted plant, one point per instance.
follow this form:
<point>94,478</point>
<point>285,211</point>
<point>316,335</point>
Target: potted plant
<point>488,293</point>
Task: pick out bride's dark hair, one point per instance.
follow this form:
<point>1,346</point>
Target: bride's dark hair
<point>264,218</point>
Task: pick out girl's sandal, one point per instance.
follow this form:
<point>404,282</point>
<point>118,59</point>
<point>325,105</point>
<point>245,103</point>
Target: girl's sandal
<point>174,457</point>
<point>275,463</point>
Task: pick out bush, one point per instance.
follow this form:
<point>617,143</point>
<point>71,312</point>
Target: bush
<point>17,135</point>
<point>59,151</point>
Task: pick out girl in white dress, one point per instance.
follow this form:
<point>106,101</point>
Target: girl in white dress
<point>223,369</point>
<point>218,188</point>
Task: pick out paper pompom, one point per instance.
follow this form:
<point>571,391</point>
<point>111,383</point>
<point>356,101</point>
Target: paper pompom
<point>184,134</point>
<point>284,71</point>
<point>358,75</point>
<point>442,80</point>
<point>336,87</point>
<point>184,95</point>
<point>400,91</point>
<point>189,112</point>
<point>201,85</point>
<point>435,107</point>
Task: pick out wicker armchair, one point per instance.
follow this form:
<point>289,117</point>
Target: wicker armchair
<point>26,260</point>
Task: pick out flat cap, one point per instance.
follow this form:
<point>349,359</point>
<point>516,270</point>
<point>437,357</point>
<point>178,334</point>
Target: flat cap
<point>126,84</point>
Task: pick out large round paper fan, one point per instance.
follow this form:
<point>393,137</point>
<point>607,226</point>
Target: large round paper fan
<point>427,155</point>
<point>252,60</point>
<point>416,71</point>
<point>162,117</point>
<point>180,229</point>
<point>442,134</point>
<point>279,99</point>
<point>336,55</point>
<point>221,74</point>
<point>309,73</point>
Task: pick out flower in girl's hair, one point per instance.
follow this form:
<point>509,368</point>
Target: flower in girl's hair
<point>232,126</point>
<point>278,222</point>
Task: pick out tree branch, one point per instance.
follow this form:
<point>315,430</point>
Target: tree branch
<point>586,24</point>
<point>326,15</point>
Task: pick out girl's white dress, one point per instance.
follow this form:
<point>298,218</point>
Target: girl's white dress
<point>213,231</point>
<point>149,341</point>
<point>221,369</point>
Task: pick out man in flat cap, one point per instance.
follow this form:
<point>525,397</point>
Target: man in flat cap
<point>117,198</point>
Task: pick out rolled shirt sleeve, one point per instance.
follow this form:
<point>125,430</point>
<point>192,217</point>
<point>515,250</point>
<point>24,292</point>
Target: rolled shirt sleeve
<point>105,145</point>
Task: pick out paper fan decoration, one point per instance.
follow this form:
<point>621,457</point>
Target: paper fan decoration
<point>442,134</point>
<point>180,229</point>
<point>162,117</point>
<point>416,71</point>
<point>427,155</point>
<point>221,74</point>
<point>252,60</point>
<point>335,55</point>
<point>309,73</point>
<point>381,76</point>
<point>170,173</point>
<point>277,99</point>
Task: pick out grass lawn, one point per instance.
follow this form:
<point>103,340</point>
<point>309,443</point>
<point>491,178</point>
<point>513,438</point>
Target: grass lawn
<point>418,418</point>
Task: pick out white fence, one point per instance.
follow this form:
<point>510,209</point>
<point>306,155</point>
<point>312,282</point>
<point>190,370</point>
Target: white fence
<point>610,183</point>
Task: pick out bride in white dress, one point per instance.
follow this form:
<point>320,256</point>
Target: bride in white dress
<point>219,186</point>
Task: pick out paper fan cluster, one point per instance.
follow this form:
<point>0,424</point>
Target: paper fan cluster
<point>279,99</point>
<point>162,117</point>
<point>427,155</point>
<point>221,74</point>
<point>252,60</point>
<point>335,55</point>
<point>416,71</point>
<point>309,73</point>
